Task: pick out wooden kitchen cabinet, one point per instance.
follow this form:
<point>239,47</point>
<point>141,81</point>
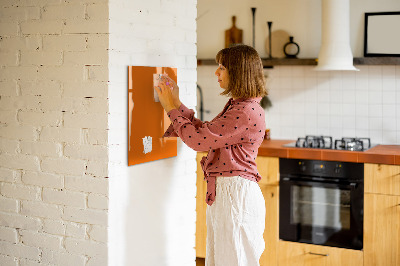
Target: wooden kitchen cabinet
<point>381,221</point>
<point>201,205</point>
<point>300,254</point>
<point>382,179</point>
<point>271,232</point>
<point>382,215</point>
<point>381,230</point>
<point>268,167</point>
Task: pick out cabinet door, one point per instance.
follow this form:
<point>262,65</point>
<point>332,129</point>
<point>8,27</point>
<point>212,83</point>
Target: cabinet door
<point>268,168</point>
<point>201,205</point>
<point>299,254</point>
<point>271,232</point>
<point>382,179</point>
<point>381,230</point>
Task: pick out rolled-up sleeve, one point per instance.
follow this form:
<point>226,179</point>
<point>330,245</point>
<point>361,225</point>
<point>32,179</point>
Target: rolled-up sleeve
<point>185,112</point>
<point>230,128</point>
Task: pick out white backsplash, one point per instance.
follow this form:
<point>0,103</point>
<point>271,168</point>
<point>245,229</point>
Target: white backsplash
<point>365,103</point>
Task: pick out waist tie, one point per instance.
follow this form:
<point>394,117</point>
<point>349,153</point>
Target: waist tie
<point>210,196</point>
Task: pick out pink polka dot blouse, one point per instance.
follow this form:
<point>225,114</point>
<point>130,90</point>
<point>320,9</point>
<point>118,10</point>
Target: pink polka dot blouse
<point>232,139</point>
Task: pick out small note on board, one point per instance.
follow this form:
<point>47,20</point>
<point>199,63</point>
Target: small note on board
<point>147,144</point>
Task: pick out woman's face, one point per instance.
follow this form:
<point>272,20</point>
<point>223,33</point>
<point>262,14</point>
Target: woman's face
<point>223,76</point>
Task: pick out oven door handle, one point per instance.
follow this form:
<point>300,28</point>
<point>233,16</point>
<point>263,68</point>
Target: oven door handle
<point>352,184</point>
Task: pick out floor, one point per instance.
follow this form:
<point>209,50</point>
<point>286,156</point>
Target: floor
<point>200,262</point>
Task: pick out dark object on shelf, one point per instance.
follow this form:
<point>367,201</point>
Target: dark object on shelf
<point>265,102</point>
<point>253,10</point>
<point>291,49</point>
<point>269,38</point>
<point>233,36</point>
<point>381,36</point>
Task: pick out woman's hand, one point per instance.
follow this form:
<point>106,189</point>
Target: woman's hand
<point>175,90</point>
<point>165,96</point>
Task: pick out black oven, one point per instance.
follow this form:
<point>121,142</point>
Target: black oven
<point>321,202</point>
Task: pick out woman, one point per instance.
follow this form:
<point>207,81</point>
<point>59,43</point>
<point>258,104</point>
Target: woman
<point>236,212</point>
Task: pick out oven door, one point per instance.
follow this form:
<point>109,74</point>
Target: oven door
<point>321,212</point>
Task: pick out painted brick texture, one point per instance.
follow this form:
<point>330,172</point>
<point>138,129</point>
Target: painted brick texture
<point>53,136</point>
<point>63,133</point>
<point>152,205</point>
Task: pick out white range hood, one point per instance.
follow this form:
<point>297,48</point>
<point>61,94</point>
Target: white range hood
<point>335,52</point>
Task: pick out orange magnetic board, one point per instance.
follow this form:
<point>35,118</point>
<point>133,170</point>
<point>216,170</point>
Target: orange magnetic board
<point>147,120</point>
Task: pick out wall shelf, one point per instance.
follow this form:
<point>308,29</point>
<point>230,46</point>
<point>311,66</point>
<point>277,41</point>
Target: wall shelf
<point>377,61</point>
<point>269,63</point>
<point>288,62</point>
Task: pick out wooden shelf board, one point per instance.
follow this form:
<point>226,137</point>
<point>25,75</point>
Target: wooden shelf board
<point>289,61</point>
<point>377,61</point>
<point>312,61</point>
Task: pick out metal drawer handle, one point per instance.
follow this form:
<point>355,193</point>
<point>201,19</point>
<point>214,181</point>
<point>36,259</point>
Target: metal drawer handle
<point>319,254</point>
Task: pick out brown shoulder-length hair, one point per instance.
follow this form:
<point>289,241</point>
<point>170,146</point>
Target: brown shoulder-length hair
<point>245,69</point>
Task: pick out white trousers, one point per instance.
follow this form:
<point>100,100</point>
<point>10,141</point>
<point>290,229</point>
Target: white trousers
<point>235,223</point>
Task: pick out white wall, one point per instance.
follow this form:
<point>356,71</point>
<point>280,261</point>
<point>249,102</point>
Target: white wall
<point>301,19</point>
<point>337,103</point>
<point>152,205</point>
<point>53,136</point>
<point>63,132</point>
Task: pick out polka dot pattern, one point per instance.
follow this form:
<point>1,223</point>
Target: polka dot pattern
<point>232,139</point>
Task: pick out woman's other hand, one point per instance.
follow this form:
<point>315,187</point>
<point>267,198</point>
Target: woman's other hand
<point>165,95</point>
<point>175,90</point>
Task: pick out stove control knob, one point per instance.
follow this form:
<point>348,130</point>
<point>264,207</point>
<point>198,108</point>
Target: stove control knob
<point>338,169</point>
<point>302,166</point>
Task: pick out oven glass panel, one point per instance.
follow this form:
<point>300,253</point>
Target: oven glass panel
<point>321,207</point>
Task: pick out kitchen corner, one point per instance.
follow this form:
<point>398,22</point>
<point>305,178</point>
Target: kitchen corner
<point>376,200</point>
<point>341,206</point>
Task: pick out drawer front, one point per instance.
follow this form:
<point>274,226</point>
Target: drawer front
<point>299,254</point>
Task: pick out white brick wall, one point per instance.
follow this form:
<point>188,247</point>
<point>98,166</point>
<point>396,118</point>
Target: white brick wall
<point>149,201</point>
<point>53,136</point>
<point>60,138</point>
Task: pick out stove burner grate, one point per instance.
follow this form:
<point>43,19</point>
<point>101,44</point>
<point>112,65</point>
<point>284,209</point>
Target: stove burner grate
<point>323,142</point>
<point>326,142</point>
<point>353,144</point>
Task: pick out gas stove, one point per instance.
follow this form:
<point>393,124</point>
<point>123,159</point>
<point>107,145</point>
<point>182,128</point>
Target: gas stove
<point>326,142</point>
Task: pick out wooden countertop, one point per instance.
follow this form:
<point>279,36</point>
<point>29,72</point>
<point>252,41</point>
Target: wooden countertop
<point>380,154</point>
